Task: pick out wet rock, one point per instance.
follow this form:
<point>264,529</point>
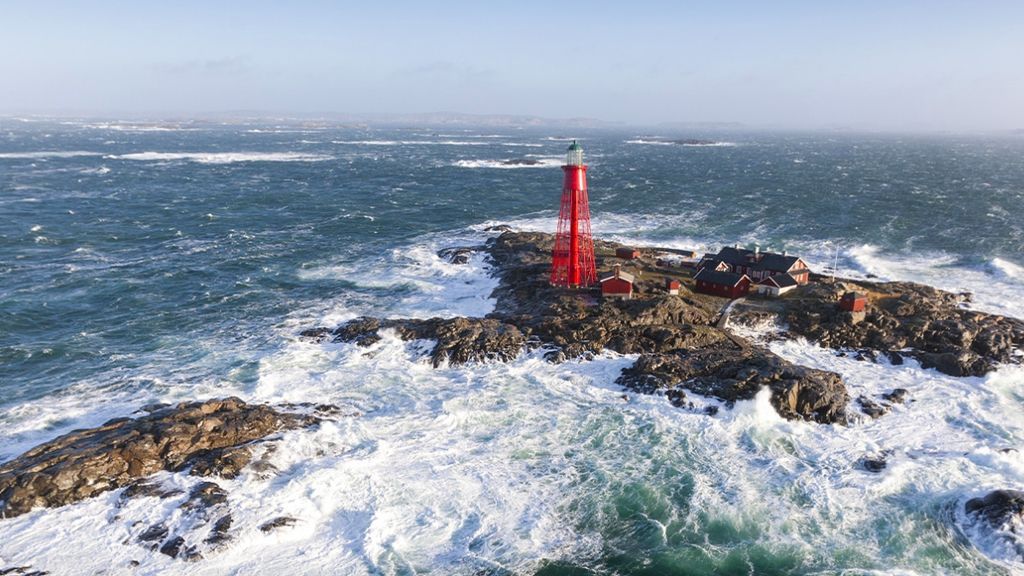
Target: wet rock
<point>317,335</point>
<point>900,315</point>
<point>897,395</point>
<point>154,533</point>
<point>1000,509</point>
<point>460,255</point>
<point>279,522</point>
<point>711,410</point>
<point>143,488</point>
<point>219,533</point>
<point>872,408</point>
<point>458,340</point>
<point>222,462</point>
<point>874,464</point>
<point>676,397</point>
<point>363,331</point>
<point>85,463</point>
<point>205,495</point>
<point>895,358</point>
<point>731,373</point>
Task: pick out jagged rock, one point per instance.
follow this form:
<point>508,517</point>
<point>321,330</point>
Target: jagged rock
<point>85,463</point>
<point>279,522</point>
<point>998,508</point>
<point>940,333</point>
<point>205,495</point>
<point>1001,512</point>
<point>874,464</point>
<point>897,395</point>
<point>222,462</point>
<point>731,373</point>
<point>154,533</point>
<point>317,335</point>
<point>175,548</point>
<point>219,533</point>
<point>458,255</point>
<point>459,340</point>
<point>872,408</point>
<point>147,488</point>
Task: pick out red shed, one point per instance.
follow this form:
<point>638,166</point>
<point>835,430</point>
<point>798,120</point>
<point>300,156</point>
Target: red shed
<point>672,286</point>
<point>726,284</point>
<point>853,302</point>
<point>627,253</point>
<point>618,285</point>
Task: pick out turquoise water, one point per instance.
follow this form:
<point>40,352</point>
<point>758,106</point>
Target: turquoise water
<point>140,265</point>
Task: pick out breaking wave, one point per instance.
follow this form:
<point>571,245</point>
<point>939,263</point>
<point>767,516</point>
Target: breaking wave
<point>46,154</point>
<point>222,157</point>
<point>511,163</point>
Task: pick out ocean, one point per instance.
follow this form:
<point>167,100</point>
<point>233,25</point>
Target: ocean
<point>160,262</point>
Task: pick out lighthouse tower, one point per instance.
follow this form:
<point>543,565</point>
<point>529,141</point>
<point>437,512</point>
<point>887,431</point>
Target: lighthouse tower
<point>572,259</point>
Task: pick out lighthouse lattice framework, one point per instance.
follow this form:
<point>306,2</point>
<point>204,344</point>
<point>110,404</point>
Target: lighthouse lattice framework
<point>572,259</point>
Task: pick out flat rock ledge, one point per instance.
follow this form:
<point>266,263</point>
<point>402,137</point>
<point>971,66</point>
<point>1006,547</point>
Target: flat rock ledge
<point>212,437</point>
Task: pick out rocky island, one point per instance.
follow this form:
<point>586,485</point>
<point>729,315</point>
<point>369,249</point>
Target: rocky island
<point>681,343</point>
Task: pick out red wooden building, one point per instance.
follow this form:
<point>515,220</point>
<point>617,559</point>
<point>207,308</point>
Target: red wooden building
<point>853,302</point>
<point>672,286</point>
<point>627,253</point>
<point>725,284</point>
<point>618,285</point>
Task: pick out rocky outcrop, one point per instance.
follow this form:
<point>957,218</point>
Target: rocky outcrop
<point>732,373</point>
<point>680,346</point>
<point>458,340</point>
<point>1002,512</point>
<point>682,349</point>
<point>211,437</point>
<point>932,323</point>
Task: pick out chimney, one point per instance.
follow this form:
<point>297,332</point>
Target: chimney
<point>618,268</point>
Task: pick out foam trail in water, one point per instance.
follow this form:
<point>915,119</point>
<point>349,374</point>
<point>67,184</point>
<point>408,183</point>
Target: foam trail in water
<point>222,157</point>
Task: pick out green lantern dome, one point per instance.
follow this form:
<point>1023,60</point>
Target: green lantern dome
<point>574,155</point>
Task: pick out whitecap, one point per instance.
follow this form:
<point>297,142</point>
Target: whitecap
<point>222,157</point>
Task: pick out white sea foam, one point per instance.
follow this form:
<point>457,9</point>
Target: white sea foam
<point>536,162</point>
<point>685,144</point>
<point>222,157</point>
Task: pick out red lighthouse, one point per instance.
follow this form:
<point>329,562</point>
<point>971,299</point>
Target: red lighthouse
<point>572,259</point>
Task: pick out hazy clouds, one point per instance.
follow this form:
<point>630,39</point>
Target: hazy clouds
<point>896,65</point>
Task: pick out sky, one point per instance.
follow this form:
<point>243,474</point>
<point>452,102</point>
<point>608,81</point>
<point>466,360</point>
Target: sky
<point>899,65</point>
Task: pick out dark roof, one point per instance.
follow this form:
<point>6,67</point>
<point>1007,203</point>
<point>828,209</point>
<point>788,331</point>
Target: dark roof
<point>765,261</point>
<point>853,296</point>
<point>780,280</point>
<point>722,278</point>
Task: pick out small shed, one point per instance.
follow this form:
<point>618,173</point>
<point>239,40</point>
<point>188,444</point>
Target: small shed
<point>618,284</point>
<point>725,284</point>
<point>777,285</point>
<point>853,302</point>
<point>627,253</point>
<point>672,286</point>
